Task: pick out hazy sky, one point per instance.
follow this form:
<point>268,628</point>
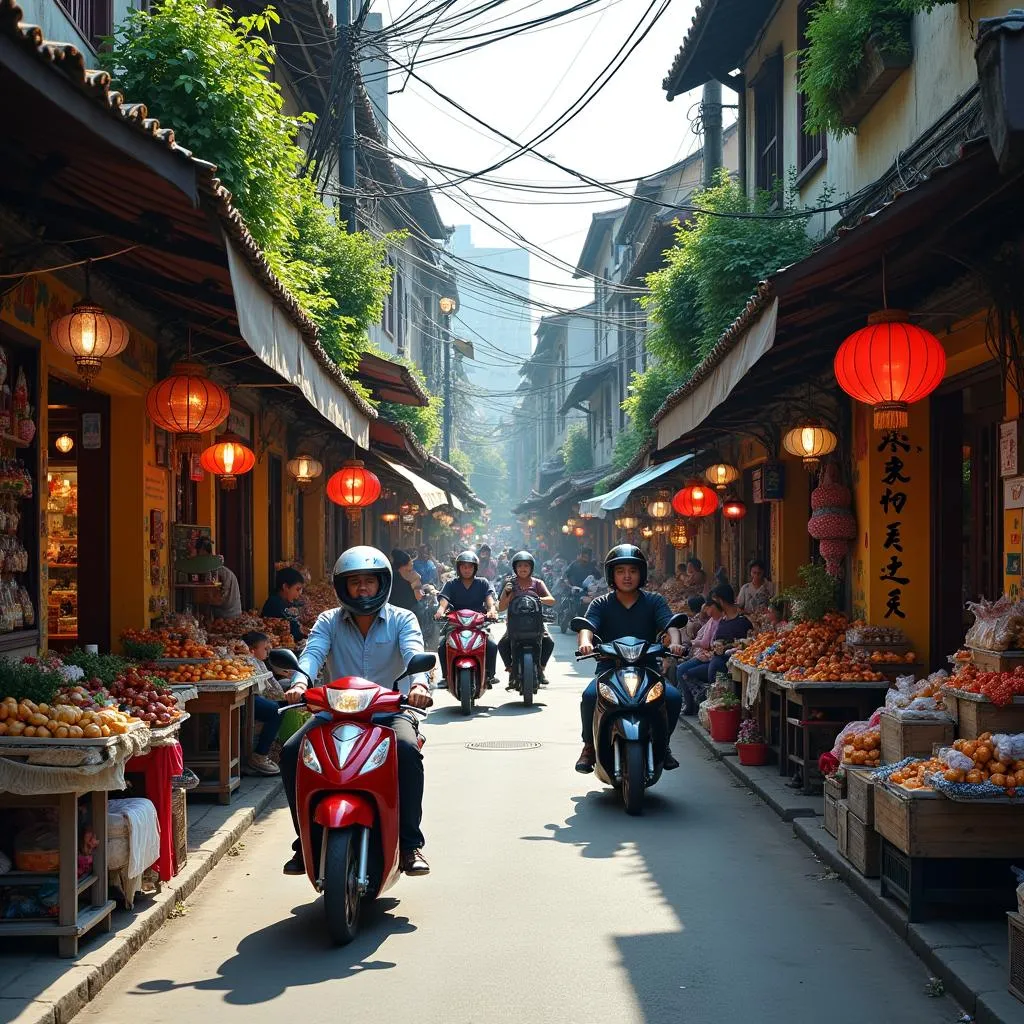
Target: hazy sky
<point>521,85</point>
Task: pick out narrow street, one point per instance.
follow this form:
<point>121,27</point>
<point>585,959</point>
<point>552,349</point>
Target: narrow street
<point>546,902</point>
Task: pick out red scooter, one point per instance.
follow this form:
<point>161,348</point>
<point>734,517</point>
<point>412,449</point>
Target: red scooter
<point>347,784</point>
<point>465,648</point>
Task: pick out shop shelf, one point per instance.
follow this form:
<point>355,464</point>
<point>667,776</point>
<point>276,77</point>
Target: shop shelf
<point>63,565</point>
<point>39,877</point>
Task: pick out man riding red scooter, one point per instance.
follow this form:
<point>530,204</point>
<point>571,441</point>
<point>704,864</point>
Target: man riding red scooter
<point>373,640</point>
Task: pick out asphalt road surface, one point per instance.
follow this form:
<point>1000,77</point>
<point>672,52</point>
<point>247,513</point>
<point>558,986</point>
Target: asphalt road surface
<point>545,903</point>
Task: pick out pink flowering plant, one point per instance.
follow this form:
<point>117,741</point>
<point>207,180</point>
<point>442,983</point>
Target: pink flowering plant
<point>749,732</point>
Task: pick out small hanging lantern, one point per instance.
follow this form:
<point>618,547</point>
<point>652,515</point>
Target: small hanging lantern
<point>889,365</point>
<point>188,404</point>
<point>678,536</point>
<point>566,529</point>
<point>627,522</point>
<point>721,475</point>
<point>353,487</point>
<point>647,532</point>
<point>64,443</point>
<point>734,509</point>
<point>810,440</point>
<point>695,500</point>
<point>389,517</point>
<point>662,527</point>
<point>661,506</point>
<point>580,531</point>
<point>572,523</point>
<point>228,458</point>
<point>89,335</point>
<point>304,469</point>
<point>529,523</point>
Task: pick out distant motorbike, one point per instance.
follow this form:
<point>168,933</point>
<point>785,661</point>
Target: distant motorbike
<point>569,605</point>
<point>465,650</point>
<point>630,720</point>
<point>525,621</point>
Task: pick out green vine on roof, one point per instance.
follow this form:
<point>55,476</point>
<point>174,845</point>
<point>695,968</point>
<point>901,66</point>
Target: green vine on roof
<point>577,454</point>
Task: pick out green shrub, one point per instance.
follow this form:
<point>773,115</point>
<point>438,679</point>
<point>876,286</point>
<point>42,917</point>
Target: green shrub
<point>577,454</point>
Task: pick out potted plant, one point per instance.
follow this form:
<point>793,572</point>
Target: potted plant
<point>724,719</point>
<point>750,744</point>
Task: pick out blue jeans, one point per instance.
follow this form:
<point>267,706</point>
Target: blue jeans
<point>673,706</point>
<point>265,711</point>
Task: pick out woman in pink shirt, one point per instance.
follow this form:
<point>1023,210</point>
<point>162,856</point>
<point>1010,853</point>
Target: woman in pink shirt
<point>692,675</point>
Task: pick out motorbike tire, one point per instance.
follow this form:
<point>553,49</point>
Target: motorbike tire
<point>563,620</point>
<point>466,689</point>
<point>634,777</point>
<point>528,681</point>
<point>342,901</point>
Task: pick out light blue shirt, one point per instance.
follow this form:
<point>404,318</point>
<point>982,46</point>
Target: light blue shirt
<point>381,656</point>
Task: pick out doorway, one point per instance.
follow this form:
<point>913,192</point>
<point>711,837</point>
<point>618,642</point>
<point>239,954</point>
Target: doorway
<point>78,517</point>
<point>234,533</point>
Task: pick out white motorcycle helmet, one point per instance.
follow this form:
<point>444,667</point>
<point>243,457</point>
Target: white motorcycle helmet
<point>358,561</point>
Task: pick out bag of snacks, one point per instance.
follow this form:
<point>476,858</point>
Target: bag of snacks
<point>1009,747</point>
<point>859,743</point>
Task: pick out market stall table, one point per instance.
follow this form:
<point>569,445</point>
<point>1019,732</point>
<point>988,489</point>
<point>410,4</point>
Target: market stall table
<point>805,734</point>
<point>219,769</point>
<point>57,773</point>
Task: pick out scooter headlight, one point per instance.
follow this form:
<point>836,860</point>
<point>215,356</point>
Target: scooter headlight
<point>656,692</point>
<point>378,757</point>
<point>309,758</point>
<point>608,693</point>
<point>349,701</point>
<point>630,679</point>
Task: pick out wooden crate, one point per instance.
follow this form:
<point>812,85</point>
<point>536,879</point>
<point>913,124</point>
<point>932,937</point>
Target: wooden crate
<point>974,716</point>
<point>929,825</point>
<point>831,823</point>
<point>996,661</point>
<point>905,738</point>
<point>858,842</point>
<point>835,785</point>
<point>1016,958</point>
<point>860,793</point>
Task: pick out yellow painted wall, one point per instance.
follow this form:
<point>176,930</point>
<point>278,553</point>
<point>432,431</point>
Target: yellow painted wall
<point>874,595</point>
<point>793,515</point>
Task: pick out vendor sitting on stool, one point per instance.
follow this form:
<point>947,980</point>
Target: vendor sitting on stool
<point>264,710</point>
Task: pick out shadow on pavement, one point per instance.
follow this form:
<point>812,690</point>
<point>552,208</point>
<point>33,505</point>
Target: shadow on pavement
<point>295,952</point>
<point>446,715</point>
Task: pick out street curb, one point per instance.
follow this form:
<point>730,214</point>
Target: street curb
<point>720,750</point>
<point>84,981</point>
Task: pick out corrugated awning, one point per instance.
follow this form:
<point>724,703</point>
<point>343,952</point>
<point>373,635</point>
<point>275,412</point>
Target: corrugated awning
<point>430,494</point>
<point>453,500</point>
<point>612,501</point>
<point>586,384</point>
<point>718,385</point>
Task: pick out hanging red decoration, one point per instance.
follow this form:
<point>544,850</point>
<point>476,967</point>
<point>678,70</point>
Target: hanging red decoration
<point>832,523</point>
<point>228,458</point>
<point>889,365</point>
<point>734,509</point>
<point>695,500</point>
<point>353,487</point>
<point>188,404</point>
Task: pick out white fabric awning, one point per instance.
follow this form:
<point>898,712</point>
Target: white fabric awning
<point>693,410</point>
<point>277,343</point>
<point>430,494</point>
<point>613,500</point>
<point>455,503</point>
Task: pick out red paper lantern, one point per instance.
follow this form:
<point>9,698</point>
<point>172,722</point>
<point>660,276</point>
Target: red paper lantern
<point>353,486</point>
<point>695,500</point>
<point>188,404</point>
<point>889,365</point>
<point>228,458</point>
<point>734,509</point>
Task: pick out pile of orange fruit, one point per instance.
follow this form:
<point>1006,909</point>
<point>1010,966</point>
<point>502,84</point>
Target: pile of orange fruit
<point>916,774</point>
<point>836,668</point>
<point>803,645</point>
<point>893,658</point>
<point>864,749</point>
<point>223,669</point>
<point>1008,775</point>
<point>187,649</point>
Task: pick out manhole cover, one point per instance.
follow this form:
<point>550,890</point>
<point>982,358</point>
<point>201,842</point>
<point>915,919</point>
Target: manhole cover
<point>504,745</point>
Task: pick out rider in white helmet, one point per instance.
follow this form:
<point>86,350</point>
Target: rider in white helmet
<point>371,638</point>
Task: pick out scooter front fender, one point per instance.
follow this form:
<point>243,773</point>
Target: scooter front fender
<point>341,810</point>
<point>629,728</point>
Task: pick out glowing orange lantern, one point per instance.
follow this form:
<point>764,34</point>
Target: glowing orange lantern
<point>721,475</point>
<point>695,500</point>
<point>580,531</point>
<point>734,509</point>
<point>228,458</point>
<point>889,365</point>
<point>353,487</point>
<point>188,404</point>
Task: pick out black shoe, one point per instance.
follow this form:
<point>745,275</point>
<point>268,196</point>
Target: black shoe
<point>587,759</point>
<point>670,761</point>
<point>295,866</point>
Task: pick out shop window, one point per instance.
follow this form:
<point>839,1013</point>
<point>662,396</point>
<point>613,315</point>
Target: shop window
<point>768,89</point>
<point>811,146</point>
<point>93,18</point>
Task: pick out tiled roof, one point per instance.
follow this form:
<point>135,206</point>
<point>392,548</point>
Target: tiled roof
<point>67,60</point>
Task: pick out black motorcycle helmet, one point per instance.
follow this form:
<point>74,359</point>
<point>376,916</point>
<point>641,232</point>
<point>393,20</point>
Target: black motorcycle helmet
<point>468,558</point>
<point>624,554</point>
<point>356,561</point>
<point>523,556</point>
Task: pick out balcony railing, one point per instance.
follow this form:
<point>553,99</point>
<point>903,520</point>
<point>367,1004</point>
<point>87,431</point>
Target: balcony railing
<point>93,18</point>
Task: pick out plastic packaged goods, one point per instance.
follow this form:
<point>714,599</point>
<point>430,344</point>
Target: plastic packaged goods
<point>918,700</point>
<point>859,743</point>
<point>998,625</point>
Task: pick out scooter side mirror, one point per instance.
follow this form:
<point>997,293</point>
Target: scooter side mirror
<point>579,622</point>
<point>283,658</point>
<point>678,621</point>
<point>418,663</point>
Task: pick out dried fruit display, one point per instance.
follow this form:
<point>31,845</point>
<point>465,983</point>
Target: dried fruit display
<point>188,649</point>
<point>836,668</point>
<point>915,775</point>
<point>998,687</point>
<point>800,646</point>
<point>981,763</point>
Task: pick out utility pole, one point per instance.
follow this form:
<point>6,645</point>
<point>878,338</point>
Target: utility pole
<point>711,115</point>
<point>447,303</point>
<point>347,142</point>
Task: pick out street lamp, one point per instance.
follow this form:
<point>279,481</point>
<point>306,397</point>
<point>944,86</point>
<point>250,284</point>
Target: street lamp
<point>447,304</point>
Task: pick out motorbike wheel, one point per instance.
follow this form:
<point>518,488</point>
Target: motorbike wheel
<point>341,886</point>
<point>633,777</point>
<point>528,682</point>
<point>563,620</point>
<point>466,690</point>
